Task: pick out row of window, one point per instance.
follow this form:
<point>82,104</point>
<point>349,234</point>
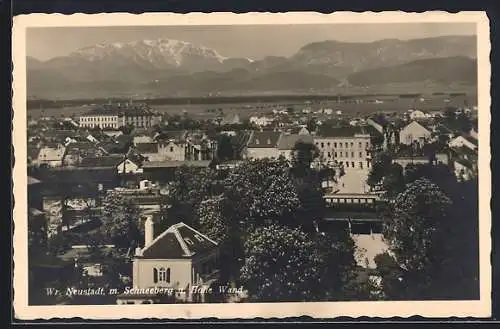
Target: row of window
<point>342,154</point>
<point>98,119</point>
<point>341,145</point>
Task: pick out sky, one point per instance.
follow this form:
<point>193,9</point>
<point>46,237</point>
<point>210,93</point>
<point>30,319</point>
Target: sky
<point>252,41</point>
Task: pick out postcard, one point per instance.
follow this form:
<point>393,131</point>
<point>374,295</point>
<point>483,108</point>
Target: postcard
<point>258,165</point>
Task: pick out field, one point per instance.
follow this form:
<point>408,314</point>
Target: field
<point>246,107</point>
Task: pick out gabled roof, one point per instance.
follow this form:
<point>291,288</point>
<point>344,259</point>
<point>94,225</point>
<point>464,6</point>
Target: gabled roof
<point>178,241</point>
<point>287,142</point>
<point>347,131</point>
<point>420,123</point>
<point>264,139</point>
<point>33,181</point>
<point>147,147</point>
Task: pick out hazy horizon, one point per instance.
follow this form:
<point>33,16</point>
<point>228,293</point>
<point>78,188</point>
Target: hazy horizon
<point>252,41</point>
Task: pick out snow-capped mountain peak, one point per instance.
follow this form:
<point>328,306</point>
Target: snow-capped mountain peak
<point>157,53</point>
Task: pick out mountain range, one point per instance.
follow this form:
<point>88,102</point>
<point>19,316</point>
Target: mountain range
<point>172,67</point>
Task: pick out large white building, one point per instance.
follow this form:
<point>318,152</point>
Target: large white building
<point>114,117</point>
<point>347,146</point>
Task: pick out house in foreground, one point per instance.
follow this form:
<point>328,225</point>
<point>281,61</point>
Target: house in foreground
<point>179,265</point>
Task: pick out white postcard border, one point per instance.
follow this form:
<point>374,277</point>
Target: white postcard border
<point>321,310</point>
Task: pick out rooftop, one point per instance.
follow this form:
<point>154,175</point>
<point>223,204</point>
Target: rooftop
<point>264,139</point>
<point>288,142</point>
<point>175,164</point>
<point>178,241</point>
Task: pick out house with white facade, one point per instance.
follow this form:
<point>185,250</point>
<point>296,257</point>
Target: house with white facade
<point>346,146</point>
<point>463,140</point>
<point>180,264</point>
<point>414,132</point>
<point>263,144</point>
<point>52,154</point>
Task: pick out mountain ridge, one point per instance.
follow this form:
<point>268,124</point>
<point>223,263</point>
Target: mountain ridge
<point>157,63</point>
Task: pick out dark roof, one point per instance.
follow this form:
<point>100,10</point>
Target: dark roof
<point>470,139</point>
<point>147,147</point>
<point>178,241</point>
<point>287,142</point>
<point>79,175</point>
<point>179,135</point>
<point>80,146</point>
<point>264,139</point>
<point>105,161</point>
<point>381,120</point>
<point>175,164</point>
<point>330,131</point>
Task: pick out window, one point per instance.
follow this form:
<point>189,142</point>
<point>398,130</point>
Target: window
<point>328,144</point>
<point>347,164</point>
<point>257,142</point>
<point>352,154</point>
<point>361,165</point>
<point>162,275</point>
<point>352,164</point>
<point>346,154</point>
<point>360,154</point>
<point>189,241</point>
<point>340,153</point>
<point>329,155</point>
<point>155,275</point>
<point>335,144</point>
<point>171,148</point>
<point>168,275</point>
<point>367,145</point>
<point>352,144</point>
<point>335,154</point>
<point>340,144</point>
<point>322,145</point>
<point>360,145</point>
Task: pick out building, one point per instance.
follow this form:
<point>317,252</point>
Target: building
<point>52,154</point>
<point>286,144</point>
<point>463,140</point>
<point>103,118</point>
<point>263,144</point>
<point>172,150</point>
<point>414,132</point>
<point>116,116</point>
<point>347,146</point>
<point>418,115</point>
<point>261,121</point>
<point>175,265</point>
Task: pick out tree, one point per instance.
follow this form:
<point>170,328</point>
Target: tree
<point>211,219</point>
<point>312,125</point>
<point>261,191</point>
<point>393,182</point>
<point>120,222</point>
<point>391,274</point>
<point>303,156</point>
<point>414,231</point>
<point>281,264</point>
<point>380,166</point>
<point>188,188</point>
<point>225,149</point>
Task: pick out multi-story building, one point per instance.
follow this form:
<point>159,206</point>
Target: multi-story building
<point>116,116</point>
<point>347,146</point>
<point>103,118</point>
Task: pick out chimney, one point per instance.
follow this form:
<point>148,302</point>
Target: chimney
<point>148,231</point>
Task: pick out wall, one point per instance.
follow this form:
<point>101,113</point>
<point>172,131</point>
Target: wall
<point>413,132</point>
<point>262,152</point>
<point>180,271</point>
<point>335,148</point>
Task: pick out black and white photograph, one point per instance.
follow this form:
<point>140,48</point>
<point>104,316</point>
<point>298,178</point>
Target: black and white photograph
<point>249,165</point>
